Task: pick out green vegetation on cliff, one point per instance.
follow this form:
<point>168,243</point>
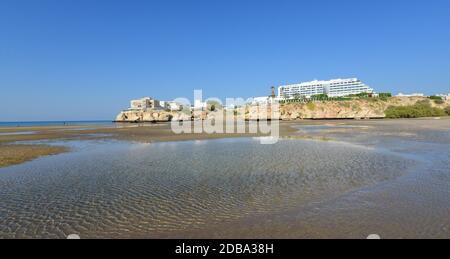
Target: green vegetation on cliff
<point>297,98</point>
<point>437,99</point>
<point>447,110</point>
<point>420,109</point>
<point>384,96</point>
<point>434,97</point>
<point>311,106</point>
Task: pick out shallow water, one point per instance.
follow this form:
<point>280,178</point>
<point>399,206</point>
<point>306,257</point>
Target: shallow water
<point>119,189</point>
<point>320,128</point>
<point>19,124</point>
<point>395,187</point>
<point>17,133</point>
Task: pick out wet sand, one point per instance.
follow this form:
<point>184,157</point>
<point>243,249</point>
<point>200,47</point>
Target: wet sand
<point>144,133</point>
<point>17,154</point>
<point>162,132</point>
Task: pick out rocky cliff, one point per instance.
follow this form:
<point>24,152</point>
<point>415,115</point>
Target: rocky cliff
<point>151,116</point>
<point>355,109</point>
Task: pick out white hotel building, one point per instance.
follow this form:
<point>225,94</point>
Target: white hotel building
<point>332,88</point>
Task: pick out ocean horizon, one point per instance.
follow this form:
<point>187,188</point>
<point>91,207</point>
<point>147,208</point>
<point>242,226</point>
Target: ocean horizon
<point>53,123</point>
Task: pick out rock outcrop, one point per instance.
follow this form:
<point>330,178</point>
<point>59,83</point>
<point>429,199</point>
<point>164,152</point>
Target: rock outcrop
<point>355,109</point>
<point>151,116</point>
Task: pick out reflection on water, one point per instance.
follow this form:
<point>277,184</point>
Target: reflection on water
<point>231,188</point>
<point>321,128</point>
<point>17,133</point>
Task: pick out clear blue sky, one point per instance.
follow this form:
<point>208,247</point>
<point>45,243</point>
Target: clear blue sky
<point>84,59</point>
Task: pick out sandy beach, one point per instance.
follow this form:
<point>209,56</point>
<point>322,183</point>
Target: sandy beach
<point>17,154</point>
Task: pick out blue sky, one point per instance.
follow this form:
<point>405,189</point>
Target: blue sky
<point>84,59</point>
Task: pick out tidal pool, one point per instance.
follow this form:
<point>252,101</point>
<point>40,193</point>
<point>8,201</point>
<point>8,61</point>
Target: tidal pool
<point>119,189</point>
<point>17,133</point>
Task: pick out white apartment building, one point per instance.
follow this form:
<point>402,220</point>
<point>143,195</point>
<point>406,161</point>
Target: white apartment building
<point>332,88</point>
<point>199,105</point>
<point>411,95</point>
<point>264,100</point>
<point>172,106</point>
<point>144,103</point>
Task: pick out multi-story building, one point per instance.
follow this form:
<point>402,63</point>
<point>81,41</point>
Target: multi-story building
<point>199,105</point>
<point>411,95</point>
<point>172,106</point>
<point>332,88</point>
<point>264,100</point>
<point>144,103</point>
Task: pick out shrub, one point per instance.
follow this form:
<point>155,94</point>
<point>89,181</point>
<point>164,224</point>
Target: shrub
<point>420,109</point>
<point>320,97</point>
<point>346,104</point>
<point>447,110</point>
<point>360,95</point>
<point>437,101</point>
<point>423,103</point>
<point>213,105</point>
<point>434,97</point>
<point>311,106</point>
<point>385,95</point>
<point>297,96</point>
<point>341,99</point>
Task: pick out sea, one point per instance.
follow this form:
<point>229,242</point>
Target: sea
<point>53,123</point>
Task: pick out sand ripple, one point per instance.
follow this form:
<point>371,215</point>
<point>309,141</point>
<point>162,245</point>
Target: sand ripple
<point>158,190</point>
